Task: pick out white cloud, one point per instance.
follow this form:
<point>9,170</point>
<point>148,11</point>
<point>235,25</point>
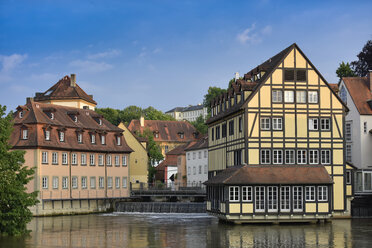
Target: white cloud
<point>12,61</point>
<point>266,30</point>
<point>108,54</point>
<point>90,66</point>
<point>251,36</point>
<point>157,50</point>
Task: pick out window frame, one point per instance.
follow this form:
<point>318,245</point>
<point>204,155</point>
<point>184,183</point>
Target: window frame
<point>277,98</point>
<point>310,96</point>
<point>310,193</point>
<point>277,156</point>
<point>293,156</point>
<point>290,100</point>
<point>265,123</point>
<point>247,194</point>
<point>322,193</point>
<point>277,123</point>
<point>266,156</point>
<point>313,124</point>
<point>301,95</point>
<point>234,193</point>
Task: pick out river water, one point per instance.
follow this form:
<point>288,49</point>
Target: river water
<point>185,230</point>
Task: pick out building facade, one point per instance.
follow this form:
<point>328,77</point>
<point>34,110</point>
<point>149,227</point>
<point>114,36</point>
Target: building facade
<point>197,163</point>
<point>356,92</point>
<point>81,159</point>
<point>190,113</point>
<point>277,139</point>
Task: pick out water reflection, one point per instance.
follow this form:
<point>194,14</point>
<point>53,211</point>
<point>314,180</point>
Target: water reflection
<point>185,231</point>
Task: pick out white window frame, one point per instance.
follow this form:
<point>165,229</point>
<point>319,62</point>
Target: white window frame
<point>234,193</point>
<point>103,139</point>
<point>92,182</point>
<point>349,152</point>
<point>109,182</point>
<point>125,182</point>
<point>247,194</point>
<point>55,183</point>
<point>47,135</point>
<point>100,160</point>
<point>348,131</point>
<point>44,157</point>
<point>44,182</point>
<point>108,160</point>
<point>117,160</point>
<point>25,134</point>
<point>64,158</point>
<point>74,159</point>
<point>260,200</point>
<point>298,204</point>
<point>313,124</point>
<point>117,182</point>
<point>92,138</point>
<point>277,123</point>
<point>74,182</point>
<point>83,159</point>
<point>313,157</point>
<point>325,156</point>
<point>289,96</point>
<point>272,198</point>
<point>64,182</point>
<point>61,136</point>
<point>277,96</point>
<point>92,159</point>
<point>301,156</point>
<point>285,198</point>
<point>80,138</point>
<point>265,123</point>
<point>313,96</point>
<point>84,182</point>
<point>277,156</point>
<point>300,96</point>
<point>266,154</point>
<point>365,127</point>
<point>322,193</point>
<point>289,157</point>
<point>124,160</point>
<point>310,193</point>
<point>55,158</point>
<point>118,140</point>
<point>101,182</point>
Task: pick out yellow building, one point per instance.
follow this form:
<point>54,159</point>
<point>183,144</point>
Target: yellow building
<point>276,144</point>
<point>138,161</point>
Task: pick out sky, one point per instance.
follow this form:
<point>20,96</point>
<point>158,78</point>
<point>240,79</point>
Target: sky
<point>166,53</point>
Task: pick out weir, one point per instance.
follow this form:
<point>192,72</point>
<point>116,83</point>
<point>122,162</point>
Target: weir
<point>161,207</point>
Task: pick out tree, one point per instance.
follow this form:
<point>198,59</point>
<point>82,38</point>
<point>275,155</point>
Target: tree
<point>364,63</point>
<point>14,175</point>
<point>200,125</point>
<point>344,70</point>
<point>213,92</point>
<point>151,113</point>
<point>112,115</point>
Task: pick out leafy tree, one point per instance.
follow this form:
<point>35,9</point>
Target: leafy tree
<point>213,92</point>
<point>130,113</point>
<point>364,62</point>
<point>151,113</point>
<point>344,70</point>
<point>112,115</point>
<point>14,175</point>
<point>200,125</point>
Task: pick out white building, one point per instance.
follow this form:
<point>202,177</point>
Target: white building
<point>356,92</point>
<point>190,113</point>
<point>197,163</point>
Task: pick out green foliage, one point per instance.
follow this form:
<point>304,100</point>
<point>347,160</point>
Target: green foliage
<point>213,92</point>
<point>364,63</point>
<point>115,116</point>
<point>14,201</point>
<point>200,125</point>
<point>344,70</point>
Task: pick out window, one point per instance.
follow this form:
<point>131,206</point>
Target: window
<point>218,132</point>
<point>45,182</point>
<point>240,124</point>
<point>109,182</point>
<point>205,154</point>
<point>92,182</point>
<point>118,140</point>
<point>322,193</point>
<point>55,182</point>
<point>265,156</point>
<point>265,123</point>
<point>289,156</point>
<point>224,130</point>
<point>117,182</point>
<point>64,158</point>
<point>125,182</point>
<point>200,154</point>
<point>92,138</point>
<point>108,160</point>
<point>289,96</point>
<point>83,159</point>
<point>74,182</point>
<point>343,94</point>
<point>92,159</point>
<point>289,75</point>
<point>237,157</point>
<point>100,122</point>
<point>277,123</point>
<point>117,160</point>
<point>301,157</point>
<point>301,75</point>
<point>64,182</point>
<point>310,193</point>
<point>189,170</point>
<point>277,96</point>
<point>231,127</point>
<point>246,193</point>
<point>272,199</point>
<point>20,114</point>
<point>24,134</point>
<point>166,148</point>
<point>75,118</point>
<point>62,136</point>
<point>100,160</point>
<point>348,131</point>
<point>367,181</point>
<point>297,198</point>
<point>188,155</point>
<point>314,157</point>
<point>277,156</point>
<point>101,182</point>
<point>103,139</point>
<point>365,127</point>
<point>212,133</point>
<point>200,169</point>
<point>348,177</point>
<point>301,96</point>
<point>194,155</point>
<point>313,124</point>
<point>325,124</point>
<point>325,157</point>
<point>260,198</point>
<point>80,138</point>
<point>124,162</point>
<point>74,159</point>
<point>44,157</point>
<point>194,170</point>
<point>156,135</point>
<point>313,96</point>
<point>83,182</point>
<point>55,158</point>
<point>348,153</point>
<point>285,199</point>
<point>47,135</point>
<point>52,116</point>
<point>234,193</point>
<point>181,135</point>
<point>205,169</point>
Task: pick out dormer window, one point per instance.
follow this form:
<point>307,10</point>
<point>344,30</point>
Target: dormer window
<point>118,140</point>
<point>20,114</point>
<point>75,118</point>
<point>103,139</point>
<point>61,136</point>
<point>156,134</point>
<point>100,122</point>
<point>80,138</point>
<point>47,134</point>
<point>181,134</point>
<point>24,134</point>
<point>92,138</point>
<point>52,116</point>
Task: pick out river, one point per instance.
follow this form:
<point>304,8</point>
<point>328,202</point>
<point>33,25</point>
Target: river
<point>185,231</point>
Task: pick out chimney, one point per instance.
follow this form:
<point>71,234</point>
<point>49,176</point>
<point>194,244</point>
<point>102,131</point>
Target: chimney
<point>142,121</point>
<point>236,76</point>
<point>73,80</point>
<point>369,79</point>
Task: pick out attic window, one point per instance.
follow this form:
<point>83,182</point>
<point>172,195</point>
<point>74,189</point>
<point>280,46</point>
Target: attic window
<point>301,75</point>
<point>181,134</point>
<point>75,118</point>
<point>289,75</point>
<point>61,136</point>
<point>24,134</point>
<point>21,114</point>
<point>118,140</point>
<point>80,138</point>
<point>156,134</point>
<point>100,122</point>
<point>52,116</point>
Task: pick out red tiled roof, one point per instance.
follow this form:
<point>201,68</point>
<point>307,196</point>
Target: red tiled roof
<point>202,143</point>
<point>180,150</point>
<point>358,88</point>
<point>63,90</point>
<point>272,174</point>
<point>168,130</point>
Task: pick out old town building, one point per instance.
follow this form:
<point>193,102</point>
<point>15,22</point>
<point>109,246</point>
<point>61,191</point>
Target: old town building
<point>190,113</point>
<point>197,163</point>
<point>276,146</point>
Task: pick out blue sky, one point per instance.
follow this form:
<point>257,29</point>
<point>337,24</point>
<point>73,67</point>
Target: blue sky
<point>166,53</point>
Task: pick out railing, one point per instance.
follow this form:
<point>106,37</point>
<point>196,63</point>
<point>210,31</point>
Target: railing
<point>166,189</point>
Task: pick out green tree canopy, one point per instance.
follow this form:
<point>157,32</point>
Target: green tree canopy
<point>200,125</point>
<point>14,175</point>
<point>344,70</point>
<point>364,63</point>
<point>213,92</point>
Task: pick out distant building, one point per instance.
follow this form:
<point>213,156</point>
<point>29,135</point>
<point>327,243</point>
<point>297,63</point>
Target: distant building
<point>356,92</point>
<point>190,113</point>
<point>197,163</point>
<point>167,134</point>
<point>81,159</point>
